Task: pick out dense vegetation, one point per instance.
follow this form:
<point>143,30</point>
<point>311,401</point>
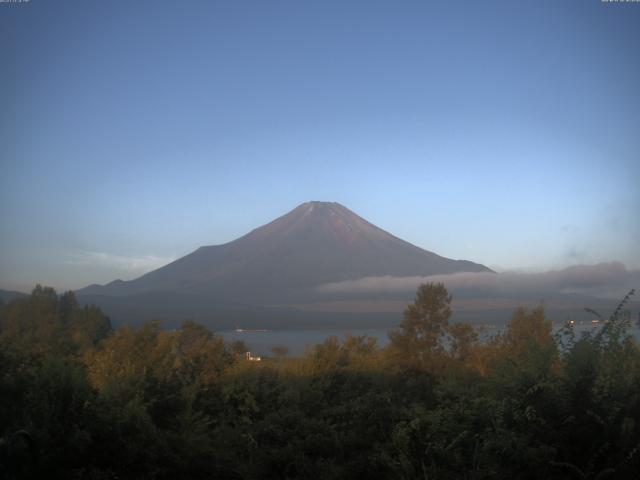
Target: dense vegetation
<point>81,400</point>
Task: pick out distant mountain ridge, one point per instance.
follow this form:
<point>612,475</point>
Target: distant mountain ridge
<point>8,295</point>
<point>314,244</point>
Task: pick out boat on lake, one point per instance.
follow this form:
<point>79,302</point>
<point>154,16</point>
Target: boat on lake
<point>250,330</point>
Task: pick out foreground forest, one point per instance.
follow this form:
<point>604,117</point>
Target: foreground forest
<point>81,400</point>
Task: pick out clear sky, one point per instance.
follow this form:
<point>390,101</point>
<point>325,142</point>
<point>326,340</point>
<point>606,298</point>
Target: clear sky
<point>132,132</point>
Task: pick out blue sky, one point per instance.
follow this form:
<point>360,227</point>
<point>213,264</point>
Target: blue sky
<point>132,132</point>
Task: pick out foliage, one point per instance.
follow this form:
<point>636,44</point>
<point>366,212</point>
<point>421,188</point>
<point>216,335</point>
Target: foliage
<point>79,400</point>
<point>419,340</point>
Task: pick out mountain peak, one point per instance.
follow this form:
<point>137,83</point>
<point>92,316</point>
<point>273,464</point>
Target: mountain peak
<point>322,209</point>
<point>315,243</point>
<point>316,205</point>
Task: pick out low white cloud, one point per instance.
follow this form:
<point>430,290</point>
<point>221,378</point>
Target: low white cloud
<point>132,263</point>
<point>602,280</point>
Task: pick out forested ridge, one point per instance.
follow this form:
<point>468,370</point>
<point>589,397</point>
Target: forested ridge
<point>81,400</point>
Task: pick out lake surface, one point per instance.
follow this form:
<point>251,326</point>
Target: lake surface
<point>261,343</point>
<point>298,341</point>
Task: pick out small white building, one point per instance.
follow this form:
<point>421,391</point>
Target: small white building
<point>252,359</point>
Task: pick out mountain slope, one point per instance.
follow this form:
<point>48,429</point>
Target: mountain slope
<point>316,243</point>
<point>8,295</point>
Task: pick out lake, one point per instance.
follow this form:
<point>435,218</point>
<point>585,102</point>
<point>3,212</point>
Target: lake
<point>297,341</point>
<point>261,343</point>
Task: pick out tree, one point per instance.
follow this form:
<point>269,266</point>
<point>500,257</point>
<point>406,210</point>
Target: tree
<point>421,333</point>
<point>463,337</point>
<point>66,305</point>
<point>280,351</point>
<point>238,348</point>
<point>200,353</point>
<point>46,293</point>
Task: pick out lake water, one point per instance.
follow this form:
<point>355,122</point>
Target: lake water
<point>261,343</point>
<point>297,341</point>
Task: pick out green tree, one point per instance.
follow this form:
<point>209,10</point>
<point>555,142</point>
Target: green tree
<point>419,339</point>
<point>66,305</point>
<point>463,337</point>
<point>280,351</point>
<point>238,348</point>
